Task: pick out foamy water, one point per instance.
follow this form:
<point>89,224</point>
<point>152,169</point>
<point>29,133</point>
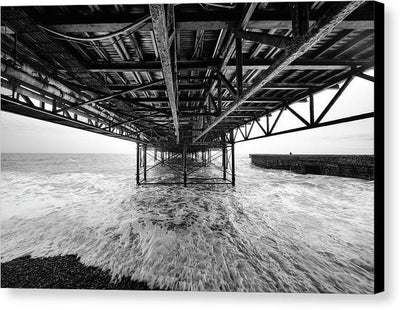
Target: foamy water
<point>274,232</point>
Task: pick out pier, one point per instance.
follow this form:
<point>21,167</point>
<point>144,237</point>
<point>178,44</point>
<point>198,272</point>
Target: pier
<point>186,82</point>
<point>352,166</point>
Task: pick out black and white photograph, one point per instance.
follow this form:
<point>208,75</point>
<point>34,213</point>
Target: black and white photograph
<point>205,147</point>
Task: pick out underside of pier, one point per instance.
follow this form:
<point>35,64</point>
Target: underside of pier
<point>184,81</point>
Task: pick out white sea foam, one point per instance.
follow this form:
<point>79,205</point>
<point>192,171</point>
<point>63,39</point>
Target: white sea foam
<point>275,232</point>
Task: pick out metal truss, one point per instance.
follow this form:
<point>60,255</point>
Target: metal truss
<point>23,105</point>
<point>29,94</point>
<point>268,128</point>
<point>185,164</point>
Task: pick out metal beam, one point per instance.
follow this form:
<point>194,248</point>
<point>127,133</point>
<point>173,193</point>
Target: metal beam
<point>230,46</point>
<point>104,98</point>
<point>196,99</point>
<point>239,66</point>
<point>227,84</point>
<point>334,99</point>
<point>298,47</point>
<point>265,38</point>
<point>210,64</point>
<point>300,20</point>
<point>132,120</point>
<point>161,33</point>
<point>195,86</point>
<point>316,125</point>
<point>98,26</point>
<point>11,105</point>
<point>297,115</point>
<point>366,77</point>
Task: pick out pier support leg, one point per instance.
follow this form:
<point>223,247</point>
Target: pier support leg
<point>224,161</point>
<point>137,164</point>
<point>233,158</point>
<point>162,158</point>
<point>145,163</point>
<point>184,150</point>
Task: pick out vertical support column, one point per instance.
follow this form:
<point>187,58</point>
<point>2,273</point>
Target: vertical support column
<point>162,158</point>
<point>219,95</point>
<point>141,157</point>
<point>224,161</point>
<point>14,93</point>
<point>184,150</point>
<point>155,154</point>
<point>137,163</point>
<point>239,66</point>
<point>233,158</point>
<point>300,19</point>
<point>145,162</point>
<point>311,109</point>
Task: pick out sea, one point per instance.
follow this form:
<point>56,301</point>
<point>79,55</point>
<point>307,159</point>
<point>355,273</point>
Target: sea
<point>275,231</point>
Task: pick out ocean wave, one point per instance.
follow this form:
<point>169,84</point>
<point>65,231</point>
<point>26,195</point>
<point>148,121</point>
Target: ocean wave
<point>275,232</point>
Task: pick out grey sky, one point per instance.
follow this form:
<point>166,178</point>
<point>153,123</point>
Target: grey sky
<point>22,134</point>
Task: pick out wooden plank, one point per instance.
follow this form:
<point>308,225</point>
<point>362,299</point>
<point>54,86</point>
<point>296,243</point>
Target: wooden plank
<point>264,38</point>
<point>351,44</point>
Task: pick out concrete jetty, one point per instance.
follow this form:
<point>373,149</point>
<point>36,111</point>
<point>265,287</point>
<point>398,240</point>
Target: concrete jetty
<point>352,166</point>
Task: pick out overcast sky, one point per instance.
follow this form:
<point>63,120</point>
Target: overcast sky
<point>27,135</point>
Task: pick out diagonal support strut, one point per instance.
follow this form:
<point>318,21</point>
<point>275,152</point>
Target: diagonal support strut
<point>298,47</point>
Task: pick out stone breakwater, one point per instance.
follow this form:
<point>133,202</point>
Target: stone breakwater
<point>352,166</point>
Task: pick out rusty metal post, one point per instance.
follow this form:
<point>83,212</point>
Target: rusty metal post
<point>233,158</point>
<point>145,162</point>
<point>224,161</point>
<point>137,164</point>
<point>184,150</point>
<point>239,67</point>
